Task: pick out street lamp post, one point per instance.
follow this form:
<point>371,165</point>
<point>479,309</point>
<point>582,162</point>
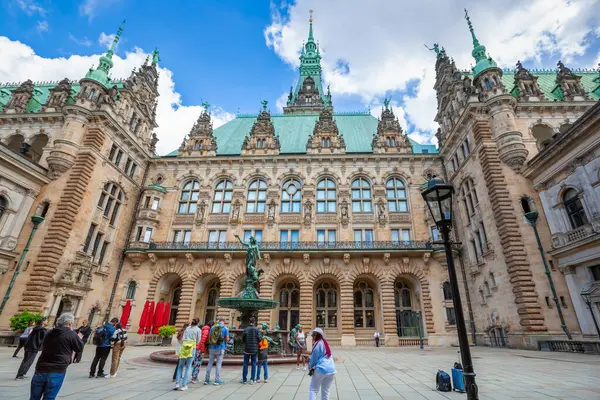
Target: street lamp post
<point>36,220</point>
<point>532,218</point>
<point>587,297</point>
<point>438,196</point>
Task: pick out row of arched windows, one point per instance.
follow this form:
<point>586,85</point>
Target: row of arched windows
<point>291,196</point>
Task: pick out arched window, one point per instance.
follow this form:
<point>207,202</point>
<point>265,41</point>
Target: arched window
<point>326,196</point>
<point>469,197</point>
<point>175,305</point>
<point>488,85</point>
<point>189,198</point>
<point>291,196</point>
<point>131,288</point>
<point>574,209</point>
<point>361,196</point>
<point>408,322</point>
<point>289,306</point>
<point>110,201</point>
<point>326,300</point>
<point>91,94</point>
<point>259,143</point>
<point>396,195</point>
<point>3,204</point>
<point>447,291</point>
<point>402,296</point>
<point>211,301</point>
<point>222,197</point>
<point>364,305</point>
<point>257,196</point>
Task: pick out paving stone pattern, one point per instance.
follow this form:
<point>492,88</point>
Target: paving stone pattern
<point>363,373</point>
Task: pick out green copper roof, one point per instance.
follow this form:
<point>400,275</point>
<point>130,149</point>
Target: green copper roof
<point>293,131</point>
<point>590,80</point>
<point>156,186</point>
<point>41,91</point>
<point>483,62</point>
<point>100,74</point>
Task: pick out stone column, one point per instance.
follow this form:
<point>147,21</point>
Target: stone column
<point>347,313</point>
<point>55,306</point>
<point>388,308</point>
<point>581,309</point>
<point>266,292</point>
<point>307,309</point>
<point>185,302</point>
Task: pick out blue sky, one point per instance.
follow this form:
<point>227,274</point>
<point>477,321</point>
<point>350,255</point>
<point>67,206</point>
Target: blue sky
<point>235,53</point>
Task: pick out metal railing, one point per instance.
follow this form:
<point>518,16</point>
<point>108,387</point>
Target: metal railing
<point>570,346</point>
<point>290,246</point>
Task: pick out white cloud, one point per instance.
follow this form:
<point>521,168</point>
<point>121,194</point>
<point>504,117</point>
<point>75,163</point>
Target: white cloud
<point>382,43</point>
<point>281,101</point>
<point>42,26</point>
<point>91,8</point>
<point>174,118</point>
<point>30,7</point>
<point>106,40</point>
<point>82,42</point>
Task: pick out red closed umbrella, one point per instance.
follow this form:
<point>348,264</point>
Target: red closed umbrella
<point>143,318</point>
<point>149,318</point>
<point>158,316</point>
<point>166,314</point>
<point>126,313</point>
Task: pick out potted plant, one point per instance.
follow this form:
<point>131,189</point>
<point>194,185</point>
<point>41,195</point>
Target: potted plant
<point>166,332</point>
<point>19,322</point>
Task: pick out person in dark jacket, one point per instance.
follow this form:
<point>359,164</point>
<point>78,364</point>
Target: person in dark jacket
<point>33,345</point>
<point>103,349</point>
<point>85,330</point>
<point>251,337</point>
<point>57,351</point>
<point>23,338</point>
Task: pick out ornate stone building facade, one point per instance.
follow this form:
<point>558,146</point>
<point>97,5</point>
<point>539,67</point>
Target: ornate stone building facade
<point>566,174</point>
<point>334,198</point>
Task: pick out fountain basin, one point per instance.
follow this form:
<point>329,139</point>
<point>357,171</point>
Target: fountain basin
<point>239,303</point>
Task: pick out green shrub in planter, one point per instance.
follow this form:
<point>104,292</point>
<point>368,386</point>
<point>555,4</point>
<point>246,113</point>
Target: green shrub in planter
<point>167,331</point>
<point>19,322</point>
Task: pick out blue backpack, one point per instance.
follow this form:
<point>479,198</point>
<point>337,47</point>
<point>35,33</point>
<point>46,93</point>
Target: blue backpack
<point>442,382</point>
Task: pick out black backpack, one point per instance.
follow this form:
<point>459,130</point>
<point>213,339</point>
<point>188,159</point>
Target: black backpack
<point>442,382</point>
<point>99,336</point>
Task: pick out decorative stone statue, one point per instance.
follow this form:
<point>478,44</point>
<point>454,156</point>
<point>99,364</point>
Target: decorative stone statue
<point>252,274</point>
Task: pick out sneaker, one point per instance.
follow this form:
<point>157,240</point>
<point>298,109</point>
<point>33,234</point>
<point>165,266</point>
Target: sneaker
<point>194,381</point>
<point>91,376</point>
<point>265,381</point>
<point>114,375</point>
<point>19,377</point>
<point>219,382</point>
<point>183,388</point>
<point>298,368</point>
<point>108,376</point>
<point>206,382</point>
<point>177,386</point>
<point>100,376</point>
<point>251,382</point>
<point>242,381</point>
<point>304,369</point>
<point>16,357</point>
<point>258,380</point>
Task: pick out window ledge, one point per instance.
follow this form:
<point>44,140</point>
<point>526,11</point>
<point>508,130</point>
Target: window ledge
<point>489,253</point>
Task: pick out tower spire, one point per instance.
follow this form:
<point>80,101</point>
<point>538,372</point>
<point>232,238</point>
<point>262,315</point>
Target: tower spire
<point>310,30</point>
<point>100,74</point>
<point>479,51</point>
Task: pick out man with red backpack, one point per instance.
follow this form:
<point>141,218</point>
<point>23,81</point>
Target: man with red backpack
<point>200,350</point>
<point>217,340</point>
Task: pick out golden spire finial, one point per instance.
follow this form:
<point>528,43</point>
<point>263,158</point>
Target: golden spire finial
<point>310,18</point>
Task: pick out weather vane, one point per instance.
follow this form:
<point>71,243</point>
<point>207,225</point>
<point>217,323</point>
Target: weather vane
<point>310,18</point>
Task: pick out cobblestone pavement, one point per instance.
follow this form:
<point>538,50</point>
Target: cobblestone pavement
<point>363,373</point>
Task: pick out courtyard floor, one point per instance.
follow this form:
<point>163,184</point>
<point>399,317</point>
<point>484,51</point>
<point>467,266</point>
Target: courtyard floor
<point>363,373</point>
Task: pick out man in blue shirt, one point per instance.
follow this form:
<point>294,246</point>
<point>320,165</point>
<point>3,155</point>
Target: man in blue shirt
<point>103,334</point>
<point>217,339</point>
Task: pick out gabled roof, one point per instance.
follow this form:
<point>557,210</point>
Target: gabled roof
<point>590,80</point>
<point>357,128</point>
<point>41,91</point>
